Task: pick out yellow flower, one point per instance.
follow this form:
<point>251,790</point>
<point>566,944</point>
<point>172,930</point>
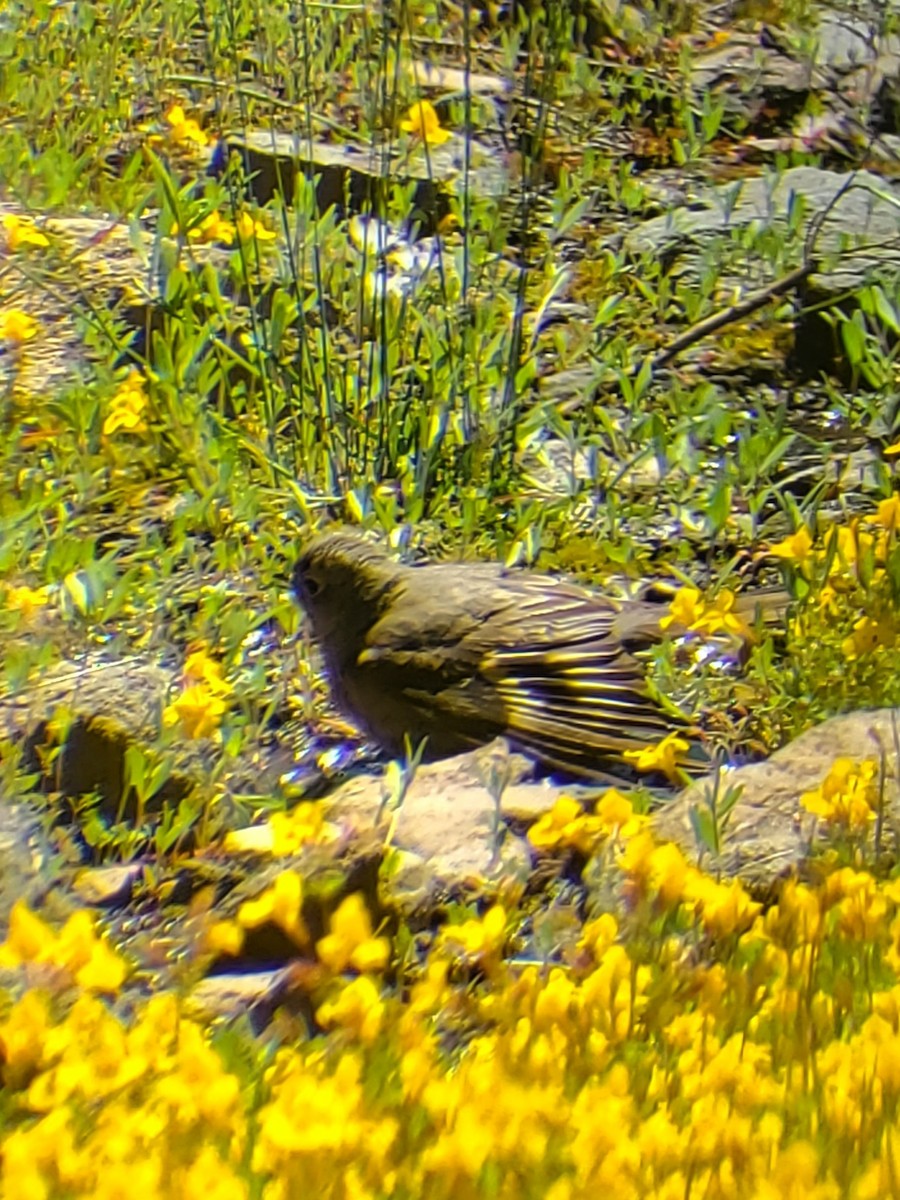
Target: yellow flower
<point>848,544</point>
<point>28,937</point>
<point>183,128</point>
<point>598,935</point>
<point>23,1038</point>
<point>282,904</point>
<point>614,809</point>
<point>25,600</point>
<point>16,326</point>
<point>797,917</point>
<point>431,992</point>
<point>208,1176</point>
<point>566,824</point>
<point>213,228</point>
<point>349,941</point>
<point>32,1155</point>
<point>223,937</point>
<point>863,914</point>
<point>77,948</point>
<point>357,1007</point>
<point>720,616</point>
<point>127,407</point>
<point>22,231</point>
<point>417,1070</point>
<point>847,796</point>
<point>554,1002</point>
<point>796,548</point>
<point>200,668</point>
<point>723,908</point>
<point>685,609</point>
<point>888,516</point>
<point>869,634</point>
<point>689,610</point>
<point>95,965</point>
<point>423,122</point>
<point>247,227</point>
<point>197,711</point>
<point>658,869</point>
<point>664,756</point>
<point>302,826</point>
<point>478,939</point>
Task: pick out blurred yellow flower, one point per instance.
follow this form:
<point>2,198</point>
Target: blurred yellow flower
<point>212,228</point>
<point>358,1007</point>
<point>847,545</point>
<point>76,948</point>
<point>723,908</point>
<point>127,406</point>
<point>888,513</point>
<point>248,227</point>
<point>282,904</point>
<point>658,868</point>
<point>869,634</point>
<point>432,991</point>
<point>197,712</point>
<point>349,942</point>
<point>598,935</point>
<point>566,825</point>
<point>423,122</point>
<point>847,796</point>
<point>305,824</point>
<point>478,939</point>
<point>200,668</point>
<point>183,128</point>
<point>22,231</point>
<point>23,1037</point>
<point>25,600</point>
<point>796,548</point>
<point>17,326</point>
<point>223,937</point>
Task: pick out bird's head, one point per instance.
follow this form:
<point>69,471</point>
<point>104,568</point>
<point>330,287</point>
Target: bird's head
<point>342,581</point>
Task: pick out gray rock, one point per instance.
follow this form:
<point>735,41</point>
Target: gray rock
<point>96,708</point>
<point>253,995</point>
<point>863,219</point>
<point>99,707</point>
<point>27,870</point>
<point>856,240</point>
<point>770,834</point>
<point>446,833</point>
<point>107,887</point>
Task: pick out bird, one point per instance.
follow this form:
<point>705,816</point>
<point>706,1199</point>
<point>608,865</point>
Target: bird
<point>456,654</point>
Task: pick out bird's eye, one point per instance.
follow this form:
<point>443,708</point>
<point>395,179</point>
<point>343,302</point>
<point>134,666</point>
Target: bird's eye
<point>311,586</point>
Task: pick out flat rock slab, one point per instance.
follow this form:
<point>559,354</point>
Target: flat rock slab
<point>353,178</point>
<point>770,834</point>
<point>862,222</point>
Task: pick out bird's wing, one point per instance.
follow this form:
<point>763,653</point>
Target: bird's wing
<point>548,650</point>
<point>570,687</point>
<point>443,619</point>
